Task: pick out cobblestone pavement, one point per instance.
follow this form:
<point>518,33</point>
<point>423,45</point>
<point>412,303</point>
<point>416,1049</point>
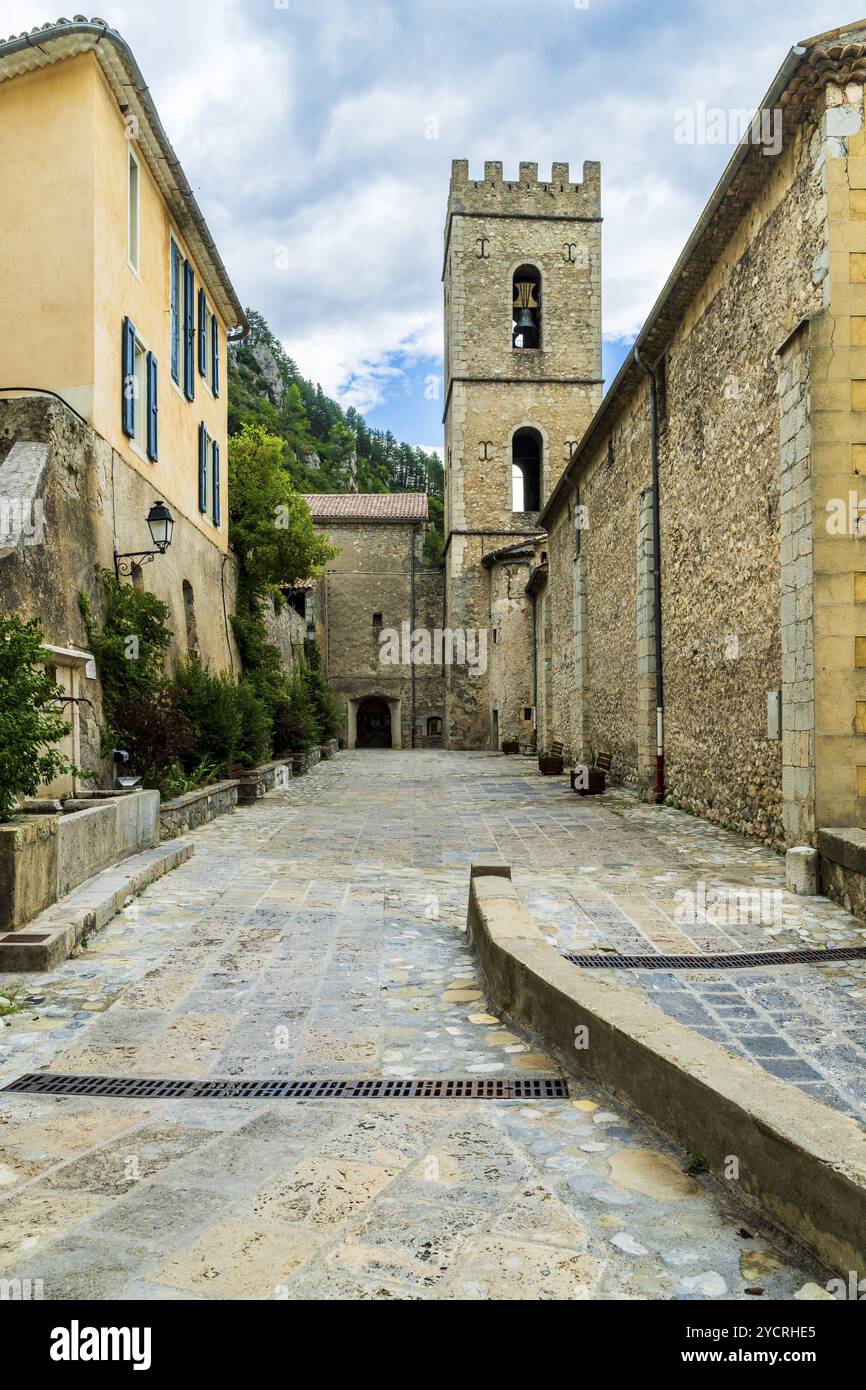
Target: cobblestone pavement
<point>319,934</point>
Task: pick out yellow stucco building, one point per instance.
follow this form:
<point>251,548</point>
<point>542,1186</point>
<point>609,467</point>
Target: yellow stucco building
<point>114,328</point>
<point>115,296</point>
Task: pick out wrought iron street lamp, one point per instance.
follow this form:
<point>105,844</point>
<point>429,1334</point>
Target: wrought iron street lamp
<point>161,526</point>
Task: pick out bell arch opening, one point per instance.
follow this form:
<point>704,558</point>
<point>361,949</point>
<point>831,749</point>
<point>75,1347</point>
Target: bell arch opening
<point>526,307</point>
<point>526,449</point>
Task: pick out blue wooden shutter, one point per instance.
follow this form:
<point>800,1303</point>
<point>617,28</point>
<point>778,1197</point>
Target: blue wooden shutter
<point>152,408</point>
<point>127,378</point>
<point>202,333</point>
<point>175,312</point>
<point>215,355</point>
<point>202,468</point>
<point>188,331</point>
<point>216,508</point>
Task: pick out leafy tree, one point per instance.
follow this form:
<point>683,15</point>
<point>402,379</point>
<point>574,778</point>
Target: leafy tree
<point>28,723</point>
<point>270,526</point>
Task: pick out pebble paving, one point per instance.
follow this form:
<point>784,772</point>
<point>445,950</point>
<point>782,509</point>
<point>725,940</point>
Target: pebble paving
<point>319,933</point>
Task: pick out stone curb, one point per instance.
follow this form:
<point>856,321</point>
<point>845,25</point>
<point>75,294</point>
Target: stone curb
<point>800,1162</point>
<point>88,908</point>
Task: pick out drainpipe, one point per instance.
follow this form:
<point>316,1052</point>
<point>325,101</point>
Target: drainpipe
<point>414,539</point>
<point>533,665</point>
<point>657,577</point>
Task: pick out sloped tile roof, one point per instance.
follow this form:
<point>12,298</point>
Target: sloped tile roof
<point>367,506</point>
<point>52,43</point>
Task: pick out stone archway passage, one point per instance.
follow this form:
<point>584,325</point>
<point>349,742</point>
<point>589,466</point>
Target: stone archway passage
<point>373,723</point>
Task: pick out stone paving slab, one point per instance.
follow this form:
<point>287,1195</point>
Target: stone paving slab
<point>805,1024</point>
<point>320,932</point>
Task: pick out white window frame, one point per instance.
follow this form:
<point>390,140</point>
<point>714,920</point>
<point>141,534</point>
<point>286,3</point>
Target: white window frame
<point>206,514</point>
<point>207,378</point>
<point>133,213</point>
<point>138,442</point>
<point>174,240</point>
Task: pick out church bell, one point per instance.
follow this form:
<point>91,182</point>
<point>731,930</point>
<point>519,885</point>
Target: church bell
<point>526,314</point>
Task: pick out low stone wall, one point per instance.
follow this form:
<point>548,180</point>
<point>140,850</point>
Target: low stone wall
<point>842,867</point>
<point>42,858</point>
<point>196,808</point>
<point>801,1163</point>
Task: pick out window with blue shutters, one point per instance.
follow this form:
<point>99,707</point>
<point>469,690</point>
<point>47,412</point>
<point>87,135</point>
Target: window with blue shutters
<point>215,355</point>
<point>128,379</point>
<point>152,408</point>
<point>189,331</point>
<point>216,501</point>
<point>176,291</point>
<point>202,467</point>
<point>202,333</point>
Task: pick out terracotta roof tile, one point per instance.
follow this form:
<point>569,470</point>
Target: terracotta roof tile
<point>367,506</point>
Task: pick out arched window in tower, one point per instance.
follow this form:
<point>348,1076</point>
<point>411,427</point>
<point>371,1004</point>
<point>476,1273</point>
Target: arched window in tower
<point>526,307</point>
<point>526,471</point>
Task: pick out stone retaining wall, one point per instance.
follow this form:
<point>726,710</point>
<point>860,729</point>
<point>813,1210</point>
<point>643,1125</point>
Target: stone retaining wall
<point>842,867</point>
<point>799,1162</point>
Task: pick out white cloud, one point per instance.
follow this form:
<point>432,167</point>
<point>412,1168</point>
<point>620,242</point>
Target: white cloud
<point>304,126</point>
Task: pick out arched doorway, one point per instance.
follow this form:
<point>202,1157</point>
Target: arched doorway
<point>373,723</point>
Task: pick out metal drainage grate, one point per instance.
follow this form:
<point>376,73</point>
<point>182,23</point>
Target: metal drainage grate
<point>744,961</point>
<point>154,1088</point>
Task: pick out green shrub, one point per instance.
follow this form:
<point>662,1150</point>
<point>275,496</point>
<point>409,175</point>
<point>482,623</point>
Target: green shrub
<point>155,733</point>
<point>295,724</point>
<point>131,643</point>
<point>210,704</point>
<point>254,742</point>
<point>262,662</point>
<point>326,708</point>
<point>30,720</point>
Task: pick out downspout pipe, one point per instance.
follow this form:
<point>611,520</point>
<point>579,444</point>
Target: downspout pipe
<point>533,666</point>
<point>413,543</point>
<point>657,577</point>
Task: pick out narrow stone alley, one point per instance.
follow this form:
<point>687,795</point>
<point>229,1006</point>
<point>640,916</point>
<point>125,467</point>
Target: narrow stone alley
<point>319,934</point>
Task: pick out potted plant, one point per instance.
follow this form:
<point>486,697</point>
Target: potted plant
<point>550,764</point>
<point>510,745</point>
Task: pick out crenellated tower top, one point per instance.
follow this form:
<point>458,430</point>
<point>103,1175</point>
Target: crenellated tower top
<point>557,197</point>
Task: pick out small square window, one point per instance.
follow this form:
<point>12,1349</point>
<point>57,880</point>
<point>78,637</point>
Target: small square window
<point>377,619</point>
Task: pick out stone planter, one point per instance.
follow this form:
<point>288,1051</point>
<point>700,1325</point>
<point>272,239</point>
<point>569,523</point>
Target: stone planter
<point>42,858</point>
<point>196,808</point>
<point>253,784</point>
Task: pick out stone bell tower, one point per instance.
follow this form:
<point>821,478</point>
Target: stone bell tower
<point>522,282</point>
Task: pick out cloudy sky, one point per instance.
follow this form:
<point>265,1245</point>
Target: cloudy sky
<point>305,128</point>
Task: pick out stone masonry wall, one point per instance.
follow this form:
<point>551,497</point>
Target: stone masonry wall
<point>87,493</point>
<point>509,653</point>
<point>372,574</point>
<point>720,527</point>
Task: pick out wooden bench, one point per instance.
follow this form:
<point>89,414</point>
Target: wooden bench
<point>595,776</point>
